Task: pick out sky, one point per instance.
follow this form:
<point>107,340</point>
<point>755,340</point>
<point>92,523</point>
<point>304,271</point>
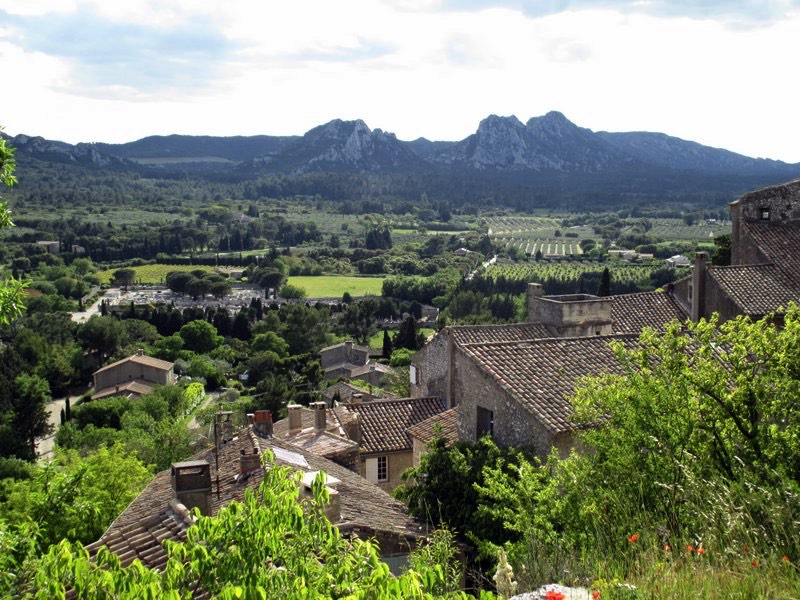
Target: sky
<point>717,72</point>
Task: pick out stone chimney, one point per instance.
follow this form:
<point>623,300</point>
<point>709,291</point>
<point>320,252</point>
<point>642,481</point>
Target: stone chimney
<point>295,418</point>
<point>535,291</point>
<point>320,415</point>
<point>191,482</point>
<point>249,462</point>
<point>333,509</point>
<point>140,352</point>
<point>223,427</point>
<point>699,286</point>
<point>262,424</point>
<point>357,398</point>
<point>352,427</point>
<point>571,315</point>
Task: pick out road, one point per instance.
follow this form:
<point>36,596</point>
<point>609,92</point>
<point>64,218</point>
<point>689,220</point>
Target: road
<point>44,446</point>
<point>94,309</point>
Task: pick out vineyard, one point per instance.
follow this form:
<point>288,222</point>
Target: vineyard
<point>529,235</point>
<point>572,277</point>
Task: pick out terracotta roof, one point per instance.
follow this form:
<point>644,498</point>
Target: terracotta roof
<point>507,332</point>
<point>780,244</point>
<point>443,425</point>
<point>755,289</point>
<point>630,313</point>
<point>140,360</point>
<point>541,374</point>
<point>154,516</point>
<point>139,387</point>
<point>385,423</point>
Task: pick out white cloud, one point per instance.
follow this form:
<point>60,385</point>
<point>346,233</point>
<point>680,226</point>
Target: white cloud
<point>406,66</point>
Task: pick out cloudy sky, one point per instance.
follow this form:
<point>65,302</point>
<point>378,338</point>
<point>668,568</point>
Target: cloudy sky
<point>717,72</point>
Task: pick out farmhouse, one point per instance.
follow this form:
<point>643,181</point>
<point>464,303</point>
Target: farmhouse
<point>351,361</point>
<point>134,376</point>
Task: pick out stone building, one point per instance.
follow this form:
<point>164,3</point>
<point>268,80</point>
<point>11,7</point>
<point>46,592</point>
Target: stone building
<point>213,478</point>
<point>513,381</point>
<point>351,361</point>
<point>134,376</point>
<point>764,273</point>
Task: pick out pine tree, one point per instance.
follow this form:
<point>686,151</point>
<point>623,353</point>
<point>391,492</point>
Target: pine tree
<point>604,289</point>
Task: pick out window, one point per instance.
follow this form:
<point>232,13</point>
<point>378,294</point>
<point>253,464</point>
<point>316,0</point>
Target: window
<point>485,422</point>
<point>377,469</point>
<point>763,214</point>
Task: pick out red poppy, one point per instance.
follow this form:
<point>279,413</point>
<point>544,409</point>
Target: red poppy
<point>701,550</point>
<point>595,595</point>
<point>689,548</point>
<point>785,558</point>
<point>554,595</point>
<point>754,563</point>
<point>633,538</point>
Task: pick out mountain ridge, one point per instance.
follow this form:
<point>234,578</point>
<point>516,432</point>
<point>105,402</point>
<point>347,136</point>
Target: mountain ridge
<point>548,155</point>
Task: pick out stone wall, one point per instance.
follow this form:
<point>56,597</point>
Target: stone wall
<point>766,207</point>
<point>572,315</point>
<point>129,371</point>
<point>398,462</point>
<point>513,425</point>
<point>432,365</point>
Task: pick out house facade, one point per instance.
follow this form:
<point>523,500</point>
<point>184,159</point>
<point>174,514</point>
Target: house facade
<point>133,376</point>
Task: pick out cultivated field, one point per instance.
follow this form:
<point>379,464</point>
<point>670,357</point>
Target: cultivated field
<point>333,286</point>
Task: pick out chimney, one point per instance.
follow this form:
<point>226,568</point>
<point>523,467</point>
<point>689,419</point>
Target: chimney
<point>535,291</point>
<point>249,462</point>
<point>263,423</point>
<point>320,415</point>
<point>357,398</point>
<point>140,352</point>
<point>191,482</point>
<point>352,427</point>
<point>295,418</point>
<point>333,508</point>
<point>223,427</point>
<point>699,286</point>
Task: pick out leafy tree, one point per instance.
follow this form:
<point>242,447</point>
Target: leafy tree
<point>270,342</point>
<point>291,291</point>
<point>12,291</point>
<point>74,498</point>
<point>124,277</point>
<point>722,252</point>
<point>408,336</point>
<point>103,334</point>
<point>200,336</point>
<point>31,419</point>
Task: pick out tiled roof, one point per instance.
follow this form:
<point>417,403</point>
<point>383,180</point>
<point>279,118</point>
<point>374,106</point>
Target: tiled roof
<point>781,245</point>
<point>355,347</point>
<point>358,371</point>
<point>346,390</point>
<point>444,425</point>
<point>140,360</point>
<point>756,289</point>
<point>154,516</point>
<point>541,374</point>
<point>322,443</point>
<point>385,423</point>
<point>508,332</point>
<point>630,313</point>
<point>137,386</point>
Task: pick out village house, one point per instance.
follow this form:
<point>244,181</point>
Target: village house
<point>444,425</point>
<point>351,361</point>
<point>514,382</point>
<point>213,478</point>
<point>134,376</point>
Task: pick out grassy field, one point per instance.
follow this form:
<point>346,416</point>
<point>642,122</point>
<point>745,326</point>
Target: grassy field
<point>153,274</point>
<point>333,286</point>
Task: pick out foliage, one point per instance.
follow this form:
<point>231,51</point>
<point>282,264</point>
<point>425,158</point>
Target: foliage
<point>441,550</point>
<point>698,448</point>
<point>200,336</point>
<point>271,545</point>
<point>72,497</point>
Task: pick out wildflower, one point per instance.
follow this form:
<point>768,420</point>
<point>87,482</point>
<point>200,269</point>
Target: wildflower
<point>755,564</point>
<point>689,548</point>
<point>554,595</point>
<point>595,595</point>
<point>785,558</point>
<point>634,538</point>
<point>746,549</point>
<point>701,550</point>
